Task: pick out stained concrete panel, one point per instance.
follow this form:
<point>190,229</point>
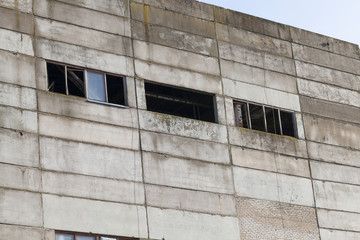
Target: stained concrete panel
<point>18,232</point>
<point>87,159</point>
<point>162,224</point>
<point>21,148</point>
<point>16,119</point>
<point>338,220</point>
<point>21,5</point>
<point>175,172</point>
<point>327,234</point>
<point>23,178</point>
<point>19,97</point>
<point>16,21</point>
<point>84,215</point>
<point>14,205</point>
<point>16,42</point>
<point>273,187</point>
<point>335,173</point>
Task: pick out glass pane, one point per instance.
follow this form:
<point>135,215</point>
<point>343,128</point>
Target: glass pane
<point>257,117</point>
<point>60,236</point>
<point>56,78</point>
<point>115,88</point>
<point>96,86</point>
<point>272,120</point>
<point>241,115</point>
<point>287,123</point>
<point>78,237</point>
<point>75,78</point>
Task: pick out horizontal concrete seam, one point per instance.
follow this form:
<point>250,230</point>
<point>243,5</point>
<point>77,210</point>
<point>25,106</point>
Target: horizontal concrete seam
<point>329,84</point>
<point>20,130</point>
<point>342,211</point>
<point>19,108</point>
<point>323,180</point>
<point>332,120</point>
<point>16,85</point>
<point>17,10</point>
<point>277,202</point>
<point>309,113</point>
<point>333,163</point>
<point>340,230</point>
<point>335,146</point>
<point>22,226</point>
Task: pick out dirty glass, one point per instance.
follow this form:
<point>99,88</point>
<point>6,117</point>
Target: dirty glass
<point>96,86</point>
<point>61,236</point>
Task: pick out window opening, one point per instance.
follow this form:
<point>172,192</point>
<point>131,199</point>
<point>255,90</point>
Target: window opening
<point>180,102</point>
<point>85,236</point>
<point>95,86</point>
<point>264,118</point>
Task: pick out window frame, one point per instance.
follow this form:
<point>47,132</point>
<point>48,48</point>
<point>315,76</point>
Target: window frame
<point>95,235</point>
<point>86,85</point>
<point>264,106</point>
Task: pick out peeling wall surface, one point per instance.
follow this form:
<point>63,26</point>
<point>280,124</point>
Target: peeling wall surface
<point>67,164</point>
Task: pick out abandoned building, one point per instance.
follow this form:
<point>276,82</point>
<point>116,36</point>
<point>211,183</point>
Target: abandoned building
<point>174,120</point>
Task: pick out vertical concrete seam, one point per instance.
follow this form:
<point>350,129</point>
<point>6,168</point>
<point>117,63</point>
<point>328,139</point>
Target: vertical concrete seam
<point>225,112</point>
<point>306,141</point>
<point>139,132</point>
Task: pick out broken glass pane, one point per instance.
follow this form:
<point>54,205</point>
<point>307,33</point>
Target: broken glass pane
<point>272,120</point>
<point>75,78</point>
<point>56,78</point>
<point>257,117</point>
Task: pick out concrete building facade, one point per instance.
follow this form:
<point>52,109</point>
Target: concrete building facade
<point>71,166</point>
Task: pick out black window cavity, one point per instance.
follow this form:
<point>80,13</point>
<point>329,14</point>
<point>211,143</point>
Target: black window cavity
<point>85,236</point>
<point>180,102</point>
<point>264,118</point>
<point>93,85</point>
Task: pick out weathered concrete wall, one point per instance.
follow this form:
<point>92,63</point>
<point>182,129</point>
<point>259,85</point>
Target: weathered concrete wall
<point>68,164</point>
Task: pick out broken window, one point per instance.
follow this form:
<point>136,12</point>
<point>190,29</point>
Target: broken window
<point>264,118</point>
<point>84,236</point>
<point>180,102</point>
<point>95,86</point>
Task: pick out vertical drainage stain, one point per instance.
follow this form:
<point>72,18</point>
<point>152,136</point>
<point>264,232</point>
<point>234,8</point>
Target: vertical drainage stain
<point>146,23</point>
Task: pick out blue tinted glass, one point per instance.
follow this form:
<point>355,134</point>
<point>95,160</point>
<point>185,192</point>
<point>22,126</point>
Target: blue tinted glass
<point>60,236</point>
<point>96,86</point>
<point>78,237</point>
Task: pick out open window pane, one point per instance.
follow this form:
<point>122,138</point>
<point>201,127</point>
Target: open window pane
<point>115,89</point>
<point>287,123</point>
<point>180,102</point>
<point>241,114</point>
<point>61,236</point>
<point>75,79</point>
<point>96,86</point>
<point>56,78</point>
<point>272,120</point>
<point>257,117</point>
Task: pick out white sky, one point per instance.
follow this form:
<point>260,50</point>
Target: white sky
<point>335,18</point>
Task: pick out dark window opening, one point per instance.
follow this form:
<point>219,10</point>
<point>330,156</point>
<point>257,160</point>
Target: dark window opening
<point>180,102</point>
<point>95,86</point>
<point>60,235</point>
<point>266,119</point>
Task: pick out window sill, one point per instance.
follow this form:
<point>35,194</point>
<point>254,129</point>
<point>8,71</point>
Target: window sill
<point>107,104</point>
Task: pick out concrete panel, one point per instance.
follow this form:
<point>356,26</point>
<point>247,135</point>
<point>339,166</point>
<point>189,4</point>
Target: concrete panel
<point>337,196</point>
<point>78,130</point>
<point>191,225</point>
<point>79,108</point>
<point>18,119</point>
<point>131,94</point>
<point>17,96</point>
<point>23,178</point>
<point>338,220</point>
<point>269,161</point>
<point>257,59</point>
<point>174,38</point>
<point>84,57</point>
<point>93,187</point>
<point>176,58</point>
<point>21,5</point>
<point>253,40</point>
<point>251,23</point>
<point>327,234</point>
<point>230,115</point>
<point>191,8</point>
<point>179,126</point>
<point>258,94</point>
<point>187,200</point>
<point>330,110</point>
<point>268,142</point>
<point>326,59</point>
<point>116,7</point>
<point>140,93</point>
<point>253,75</point>
<point>84,37</point>
<point>178,77</point>
<point>273,187</point>
<point>14,20</point>
<point>328,93</point>
<point>327,75</point>
<point>335,173</point>
<point>17,232</point>
<point>324,43</point>
<point>333,154</point>
<point>14,205</point>
<point>260,219</point>
<point>300,126</point>
<point>163,170</point>
<point>185,147</point>
<point>169,19</point>
<point>332,132</point>
<point>16,42</point>
<point>17,69</point>
<point>220,110</point>
<point>41,74</point>
<point>89,159</point>
<point>21,148</point>
<point>73,214</point>
<point>81,16</point>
